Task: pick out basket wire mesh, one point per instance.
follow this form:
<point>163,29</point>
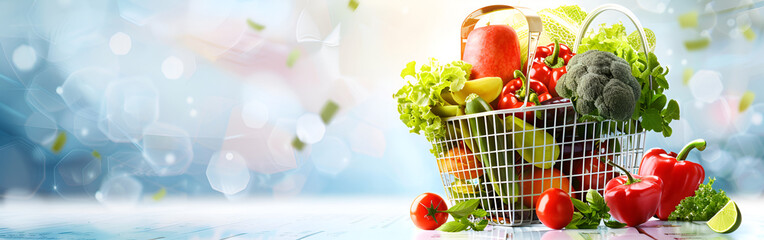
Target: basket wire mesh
<point>507,158</point>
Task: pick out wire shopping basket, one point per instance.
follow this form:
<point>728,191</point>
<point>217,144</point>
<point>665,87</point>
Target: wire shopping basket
<point>507,162</point>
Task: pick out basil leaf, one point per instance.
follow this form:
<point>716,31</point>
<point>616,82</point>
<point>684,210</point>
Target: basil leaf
<point>480,225</point>
<point>614,224</point>
<point>463,209</point>
<point>479,213</point>
<point>590,225</point>
<point>452,226</point>
<point>594,198</point>
<point>581,206</point>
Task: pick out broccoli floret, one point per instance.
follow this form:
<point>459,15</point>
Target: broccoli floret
<point>600,83</point>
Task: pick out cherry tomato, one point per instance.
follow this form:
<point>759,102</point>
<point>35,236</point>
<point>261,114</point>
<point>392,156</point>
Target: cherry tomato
<point>554,208</point>
<point>424,211</point>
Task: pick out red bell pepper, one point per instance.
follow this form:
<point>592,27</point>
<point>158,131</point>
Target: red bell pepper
<point>549,65</point>
<point>681,178</point>
<point>514,92</point>
<point>633,199</point>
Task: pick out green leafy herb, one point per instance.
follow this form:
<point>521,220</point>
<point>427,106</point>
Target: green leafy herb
<point>746,100</point>
<point>353,4</point>
<point>697,44</point>
<point>415,100</point>
<point>653,109</point>
<point>292,58</point>
<point>589,216</point>
<point>254,25</point>
<point>461,213</point>
<point>702,206</point>
<point>297,144</point>
<point>159,195</point>
<point>328,111</point>
<point>59,143</point>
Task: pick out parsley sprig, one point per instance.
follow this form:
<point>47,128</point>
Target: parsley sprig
<point>702,206</point>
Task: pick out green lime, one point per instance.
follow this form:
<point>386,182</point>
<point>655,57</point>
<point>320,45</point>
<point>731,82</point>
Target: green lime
<point>726,220</point>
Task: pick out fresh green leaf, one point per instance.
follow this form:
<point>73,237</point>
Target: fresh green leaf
<point>575,220</point>
<point>297,144</point>
<point>746,100</point>
<point>327,112</point>
<point>589,225</point>
<point>659,101</point>
<point>480,226</point>
<point>594,198</point>
<point>254,25</point>
<point>59,143</point>
<point>667,130</point>
<point>479,213</point>
<point>353,5</point>
<point>581,206</point>
<point>636,42</point>
<point>614,224</point>
<point>688,19</point>
<point>652,120</point>
<point>671,111</point>
<point>452,226</point>
<point>416,98</point>
<point>697,44</point>
<point>292,58</point>
<point>463,209</point>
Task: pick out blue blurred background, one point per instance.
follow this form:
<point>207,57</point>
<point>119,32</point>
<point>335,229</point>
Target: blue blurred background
<point>134,100</point>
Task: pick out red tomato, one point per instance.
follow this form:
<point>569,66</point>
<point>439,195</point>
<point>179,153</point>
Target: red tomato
<point>554,208</point>
<point>424,211</point>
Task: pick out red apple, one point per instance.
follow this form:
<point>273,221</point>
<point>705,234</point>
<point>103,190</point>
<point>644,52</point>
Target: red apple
<point>493,51</point>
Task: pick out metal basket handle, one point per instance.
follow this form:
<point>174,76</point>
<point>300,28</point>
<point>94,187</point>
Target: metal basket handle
<point>618,8</point>
<point>534,30</point>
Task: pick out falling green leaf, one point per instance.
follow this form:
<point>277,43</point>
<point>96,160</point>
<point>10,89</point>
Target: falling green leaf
<point>353,4</point>
<point>297,144</point>
<point>748,33</point>
<point>689,19</point>
<point>328,111</point>
<point>254,25</point>
<point>59,143</point>
<point>292,58</point>
<point>697,44</point>
<point>96,154</point>
<point>159,194</point>
<point>687,75</point>
<point>746,100</point>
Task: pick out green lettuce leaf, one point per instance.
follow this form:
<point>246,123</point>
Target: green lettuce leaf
<point>415,99</point>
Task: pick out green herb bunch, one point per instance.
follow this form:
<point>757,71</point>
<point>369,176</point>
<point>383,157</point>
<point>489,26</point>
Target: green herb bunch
<point>702,206</point>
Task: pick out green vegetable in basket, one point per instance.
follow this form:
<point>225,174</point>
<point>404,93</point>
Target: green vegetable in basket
<point>600,85</point>
<point>489,143</point>
<point>653,108</point>
<point>416,100</point>
<point>535,145</point>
